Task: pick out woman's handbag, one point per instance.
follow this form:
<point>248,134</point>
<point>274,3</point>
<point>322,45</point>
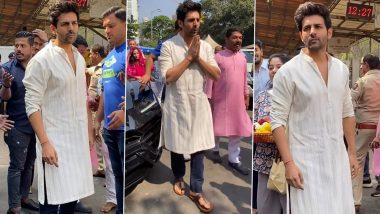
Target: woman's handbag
<point>277,180</point>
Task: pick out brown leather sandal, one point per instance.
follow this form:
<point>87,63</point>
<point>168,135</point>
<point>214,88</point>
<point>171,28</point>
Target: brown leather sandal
<point>179,187</point>
<point>196,199</point>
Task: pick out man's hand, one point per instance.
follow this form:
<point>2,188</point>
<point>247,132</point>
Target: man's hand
<point>41,34</point>
<point>193,53</point>
<point>121,77</point>
<point>49,155</point>
<point>117,119</point>
<point>293,175</point>
<point>5,124</point>
<point>93,103</point>
<point>354,166</point>
<point>246,99</point>
<point>145,79</point>
<point>7,79</point>
<point>122,104</point>
<point>375,144</point>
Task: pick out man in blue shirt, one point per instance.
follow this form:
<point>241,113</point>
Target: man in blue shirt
<point>114,22</point>
<point>20,139</point>
<point>261,75</point>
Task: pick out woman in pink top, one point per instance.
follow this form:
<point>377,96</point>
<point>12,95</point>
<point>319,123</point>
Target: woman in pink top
<point>136,63</point>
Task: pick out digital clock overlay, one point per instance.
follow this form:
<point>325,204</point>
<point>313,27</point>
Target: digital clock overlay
<point>359,11</point>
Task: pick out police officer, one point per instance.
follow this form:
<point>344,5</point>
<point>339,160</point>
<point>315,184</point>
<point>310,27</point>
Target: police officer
<point>366,100</point>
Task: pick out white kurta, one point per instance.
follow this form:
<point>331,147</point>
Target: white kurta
<point>313,113</point>
<point>186,121</point>
<point>60,95</point>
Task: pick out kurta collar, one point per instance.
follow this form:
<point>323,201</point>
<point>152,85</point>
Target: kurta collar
<point>230,52</point>
<point>61,50</point>
<point>309,59</point>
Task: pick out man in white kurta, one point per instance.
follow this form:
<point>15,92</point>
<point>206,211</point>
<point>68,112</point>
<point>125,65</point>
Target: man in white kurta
<point>187,126</point>
<point>312,101</point>
<point>56,96</point>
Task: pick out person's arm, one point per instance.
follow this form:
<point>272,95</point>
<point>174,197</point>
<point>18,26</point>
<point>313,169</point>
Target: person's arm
<point>246,89</point>
<point>42,35</point>
<point>91,133</point>
<point>209,65</point>
<point>35,82</point>
<point>283,92</point>
<point>5,91</point>
<point>99,116</point>
<point>49,154</point>
<point>356,92</point>
<point>148,70</point>
<point>349,123</point>
<point>375,144</point>
<point>349,132</point>
<point>171,73</point>
<point>212,71</point>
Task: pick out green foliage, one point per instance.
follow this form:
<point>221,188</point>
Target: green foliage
<point>162,27</point>
<point>132,28</point>
<point>219,15</point>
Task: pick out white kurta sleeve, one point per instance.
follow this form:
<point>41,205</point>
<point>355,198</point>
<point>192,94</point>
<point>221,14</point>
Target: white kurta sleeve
<point>165,58</point>
<point>282,99</point>
<point>348,109</point>
<point>35,82</point>
<point>211,56</point>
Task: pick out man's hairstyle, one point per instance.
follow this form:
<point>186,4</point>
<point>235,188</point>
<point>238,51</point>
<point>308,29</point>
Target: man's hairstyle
<point>99,49</point>
<point>372,61</point>
<point>259,43</point>
<point>26,34</point>
<point>60,8</point>
<point>188,6</point>
<point>118,11</point>
<point>11,55</point>
<point>80,41</point>
<point>231,30</point>
<point>130,40</point>
<point>283,57</point>
<point>309,9</point>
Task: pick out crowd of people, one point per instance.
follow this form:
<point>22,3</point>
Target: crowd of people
<point>322,128</point>
<point>57,109</point>
<point>205,97</point>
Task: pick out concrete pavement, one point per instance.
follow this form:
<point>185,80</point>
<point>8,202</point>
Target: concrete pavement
<point>230,192</point>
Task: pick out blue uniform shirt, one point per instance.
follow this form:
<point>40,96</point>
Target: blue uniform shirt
<point>113,88</point>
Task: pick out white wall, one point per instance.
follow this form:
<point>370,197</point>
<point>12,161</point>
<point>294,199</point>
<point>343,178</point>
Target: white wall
<point>4,51</point>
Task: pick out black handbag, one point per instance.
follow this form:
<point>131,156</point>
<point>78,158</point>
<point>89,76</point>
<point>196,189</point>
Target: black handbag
<point>142,144</point>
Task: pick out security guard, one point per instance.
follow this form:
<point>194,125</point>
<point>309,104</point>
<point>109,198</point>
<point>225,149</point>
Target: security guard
<point>366,99</point>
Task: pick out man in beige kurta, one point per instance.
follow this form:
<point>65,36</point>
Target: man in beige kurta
<point>187,126</point>
<point>366,99</point>
<point>56,106</point>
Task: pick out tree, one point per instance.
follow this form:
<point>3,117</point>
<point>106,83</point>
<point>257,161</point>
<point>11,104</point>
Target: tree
<point>132,28</point>
<point>162,27</point>
<point>219,15</point>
